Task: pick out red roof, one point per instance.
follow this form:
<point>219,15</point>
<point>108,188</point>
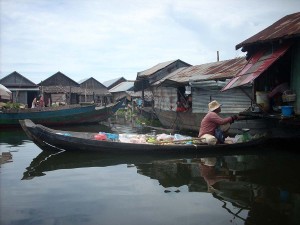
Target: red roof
<point>257,64</point>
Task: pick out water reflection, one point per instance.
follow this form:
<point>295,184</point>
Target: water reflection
<point>256,189</point>
<point>246,182</point>
<point>251,183</point>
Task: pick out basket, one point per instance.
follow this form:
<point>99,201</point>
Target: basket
<point>288,96</point>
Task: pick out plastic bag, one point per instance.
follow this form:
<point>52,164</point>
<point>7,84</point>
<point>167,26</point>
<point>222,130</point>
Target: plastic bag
<point>165,137</point>
<point>112,137</point>
<point>179,137</point>
<point>238,138</point>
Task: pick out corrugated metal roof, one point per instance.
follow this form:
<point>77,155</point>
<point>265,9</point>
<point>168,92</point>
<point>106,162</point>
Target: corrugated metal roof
<point>155,68</point>
<point>209,71</point>
<point>93,84</point>
<point>83,80</point>
<point>171,75</point>
<point>124,86</point>
<point>15,79</point>
<point>286,28</point>
<point>110,82</point>
<point>58,79</point>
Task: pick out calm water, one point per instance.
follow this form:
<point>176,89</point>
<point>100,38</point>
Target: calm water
<point>40,187</point>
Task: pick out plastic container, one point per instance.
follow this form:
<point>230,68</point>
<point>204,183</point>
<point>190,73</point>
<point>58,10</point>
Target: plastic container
<point>288,96</point>
<point>263,100</point>
<point>100,137</point>
<point>287,110</point>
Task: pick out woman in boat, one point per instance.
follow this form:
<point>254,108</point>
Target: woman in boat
<point>213,127</point>
<point>34,103</point>
<point>40,102</point>
<point>181,105</point>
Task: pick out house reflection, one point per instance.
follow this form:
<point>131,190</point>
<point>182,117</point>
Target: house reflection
<point>5,157</point>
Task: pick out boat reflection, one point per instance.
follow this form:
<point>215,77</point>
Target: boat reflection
<point>252,183</point>
<point>49,160</point>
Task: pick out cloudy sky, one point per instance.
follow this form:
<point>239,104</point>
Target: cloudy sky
<point>109,39</point>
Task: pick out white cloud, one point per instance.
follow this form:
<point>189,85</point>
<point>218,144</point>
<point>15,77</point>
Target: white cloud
<point>108,39</point>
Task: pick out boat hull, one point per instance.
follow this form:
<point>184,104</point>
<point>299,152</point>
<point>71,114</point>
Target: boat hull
<point>57,116</point>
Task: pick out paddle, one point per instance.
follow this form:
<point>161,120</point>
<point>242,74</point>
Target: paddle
<point>243,116</point>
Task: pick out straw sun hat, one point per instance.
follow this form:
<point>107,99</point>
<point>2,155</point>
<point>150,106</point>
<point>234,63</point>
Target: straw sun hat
<point>212,106</point>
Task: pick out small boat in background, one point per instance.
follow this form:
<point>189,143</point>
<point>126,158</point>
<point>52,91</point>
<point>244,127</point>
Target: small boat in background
<point>59,140</point>
<point>57,116</point>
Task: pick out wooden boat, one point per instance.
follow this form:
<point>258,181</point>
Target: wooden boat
<point>84,141</point>
<point>56,116</point>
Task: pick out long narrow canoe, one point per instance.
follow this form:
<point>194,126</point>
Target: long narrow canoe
<point>57,116</point>
<point>45,137</point>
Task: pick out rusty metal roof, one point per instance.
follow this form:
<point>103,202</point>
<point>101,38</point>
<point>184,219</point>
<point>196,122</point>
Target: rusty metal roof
<point>209,71</point>
<point>287,27</point>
